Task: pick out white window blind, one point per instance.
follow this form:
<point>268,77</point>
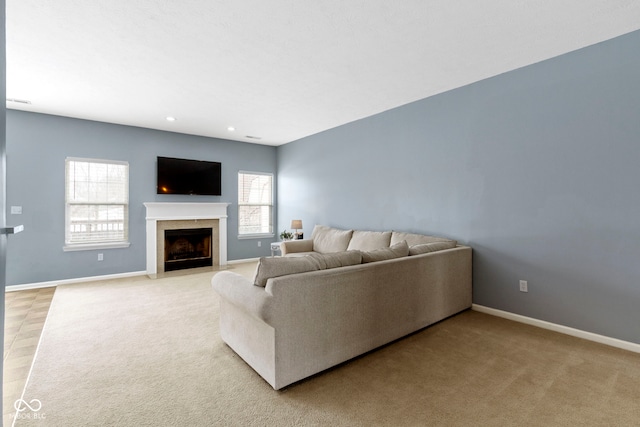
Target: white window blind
<point>255,203</point>
<point>97,202</point>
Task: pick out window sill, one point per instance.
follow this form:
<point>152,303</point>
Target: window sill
<point>94,246</point>
<point>256,236</point>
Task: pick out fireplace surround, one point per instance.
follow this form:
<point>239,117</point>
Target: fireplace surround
<point>172,216</point>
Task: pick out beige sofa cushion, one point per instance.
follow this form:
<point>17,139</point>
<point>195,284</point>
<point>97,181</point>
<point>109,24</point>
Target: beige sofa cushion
<point>415,239</point>
<point>431,247</point>
<point>269,267</point>
<point>327,239</point>
<point>338,259</point>
<point>396,251</point>
<point>369,240</point>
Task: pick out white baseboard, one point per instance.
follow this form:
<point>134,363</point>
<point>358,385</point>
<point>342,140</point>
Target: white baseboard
<point>242,261</point>
<point>52,283</point>
<point>613,342</point>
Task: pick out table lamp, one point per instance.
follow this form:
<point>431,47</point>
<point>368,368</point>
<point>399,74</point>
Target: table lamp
<point>296,224</point>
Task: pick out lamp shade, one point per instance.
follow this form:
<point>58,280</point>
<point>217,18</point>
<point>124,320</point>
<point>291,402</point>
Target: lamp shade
<point>296,224</point>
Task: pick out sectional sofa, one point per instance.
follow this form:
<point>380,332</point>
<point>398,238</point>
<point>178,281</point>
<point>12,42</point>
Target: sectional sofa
<point>337,296</point>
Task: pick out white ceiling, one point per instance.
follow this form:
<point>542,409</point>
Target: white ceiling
<point>278,69</point>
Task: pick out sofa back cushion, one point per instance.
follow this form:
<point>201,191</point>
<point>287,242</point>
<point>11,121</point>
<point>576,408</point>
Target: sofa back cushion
<point>415,239</point>
<point>327,239</point>
<point>431,247</point>
<point>369,240</point>
<point>338,259</point>
<point>395,251</point>
<point>269,267</point>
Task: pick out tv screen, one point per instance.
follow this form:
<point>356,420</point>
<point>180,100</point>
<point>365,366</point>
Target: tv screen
<point>183,176</point>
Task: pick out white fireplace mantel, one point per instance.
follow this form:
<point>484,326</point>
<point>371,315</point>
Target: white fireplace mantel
<point>161,211</point>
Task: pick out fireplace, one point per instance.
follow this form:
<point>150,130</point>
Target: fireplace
<point>183,240</point>
<point>187,248</point>
<point>189,219</point>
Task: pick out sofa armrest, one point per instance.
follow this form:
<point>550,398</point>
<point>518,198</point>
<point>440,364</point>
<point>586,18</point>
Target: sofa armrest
<point>241,292</point>
<point>294,246</point>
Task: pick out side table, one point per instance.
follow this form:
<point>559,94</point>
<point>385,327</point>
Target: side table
<point>275,247</point>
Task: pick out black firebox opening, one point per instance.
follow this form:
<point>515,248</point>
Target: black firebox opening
<point>187,248</point>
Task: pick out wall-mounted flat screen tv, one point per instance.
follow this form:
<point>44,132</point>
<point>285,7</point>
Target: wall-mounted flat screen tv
<point>183,176</point>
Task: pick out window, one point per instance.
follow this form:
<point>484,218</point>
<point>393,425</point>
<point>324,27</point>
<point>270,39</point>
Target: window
<point>96,203</point>
<point>255,204</point>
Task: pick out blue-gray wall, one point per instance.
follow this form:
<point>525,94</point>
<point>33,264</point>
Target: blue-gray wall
<point>537,169</point>
<point>37,145</point>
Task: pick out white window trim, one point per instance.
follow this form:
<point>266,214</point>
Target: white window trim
<point>273,207</point>
<point>255,236</point>
<point>95,246</point>
<point>98,245</point>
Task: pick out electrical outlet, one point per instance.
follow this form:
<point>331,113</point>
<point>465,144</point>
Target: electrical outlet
<point>16,210</point>
<point>524,287</point>
<point>100,257</point>
<point>259,244</point>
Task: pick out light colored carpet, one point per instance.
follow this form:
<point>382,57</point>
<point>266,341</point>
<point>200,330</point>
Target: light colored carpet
<point>141,352</point>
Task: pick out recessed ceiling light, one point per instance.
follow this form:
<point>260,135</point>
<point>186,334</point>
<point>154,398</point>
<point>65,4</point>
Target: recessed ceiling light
<point>231,128</point>
<point>171,119</point>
